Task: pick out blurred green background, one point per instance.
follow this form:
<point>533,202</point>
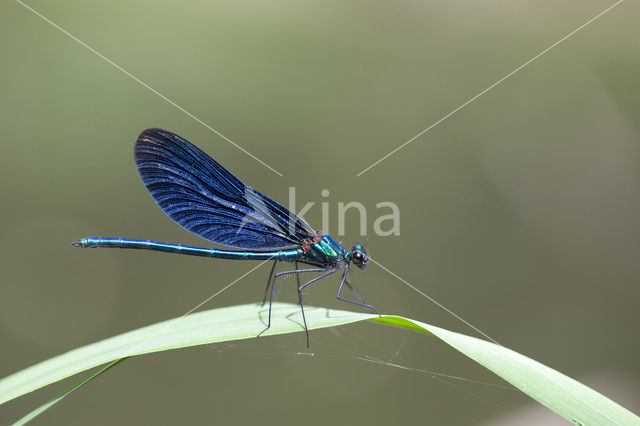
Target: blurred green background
<point>520,212</point>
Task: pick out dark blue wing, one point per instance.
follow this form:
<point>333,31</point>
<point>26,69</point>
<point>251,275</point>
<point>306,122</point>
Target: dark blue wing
<point>205,198</point>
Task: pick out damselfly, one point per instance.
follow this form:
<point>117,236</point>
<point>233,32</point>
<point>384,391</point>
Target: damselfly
<point>205,198</point>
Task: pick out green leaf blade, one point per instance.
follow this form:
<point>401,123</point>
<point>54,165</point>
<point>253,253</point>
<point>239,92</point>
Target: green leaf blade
<point>569,398</point>
<point>206,327</point>
<point>562,394</point>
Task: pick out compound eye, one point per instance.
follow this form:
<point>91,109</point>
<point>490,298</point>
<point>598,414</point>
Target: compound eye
<point>358,257</point>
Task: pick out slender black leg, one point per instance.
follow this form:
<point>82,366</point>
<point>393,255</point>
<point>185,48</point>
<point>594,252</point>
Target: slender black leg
<point>304,320</point>
<point>266,291</point>
<point>297,275</point>
<point>273,287</point>
<point>300,288</point>
<point>344,281</point>
<point>353,290</point>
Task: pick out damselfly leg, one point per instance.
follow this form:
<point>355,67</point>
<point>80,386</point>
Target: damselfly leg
<point>353,290</point>
<point>266,290</point>
<point>273,287</point>
<point>273,268</point>
<point>300,288</point>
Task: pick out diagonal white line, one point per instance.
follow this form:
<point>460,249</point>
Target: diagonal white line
<point>436,302</point>
<point>145,85</point>
<point>129,352</point>
<point>175,321</point>
<point>371,359</point>
<point>491,87</point>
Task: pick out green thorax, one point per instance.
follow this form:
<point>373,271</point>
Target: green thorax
<point>325,252</point>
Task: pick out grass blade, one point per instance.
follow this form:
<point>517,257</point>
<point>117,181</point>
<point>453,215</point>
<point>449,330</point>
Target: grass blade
<point>567,397</point>
<point>35,413</point>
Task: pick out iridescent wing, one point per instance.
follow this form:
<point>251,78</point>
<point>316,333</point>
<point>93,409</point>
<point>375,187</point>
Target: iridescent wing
<point>205,198</point>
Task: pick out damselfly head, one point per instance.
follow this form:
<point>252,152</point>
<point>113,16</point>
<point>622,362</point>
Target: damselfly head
<point>359,256</point>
